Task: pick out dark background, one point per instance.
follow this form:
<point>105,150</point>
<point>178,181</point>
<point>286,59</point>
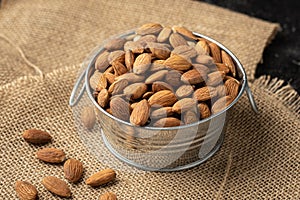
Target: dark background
<point>282,57</point>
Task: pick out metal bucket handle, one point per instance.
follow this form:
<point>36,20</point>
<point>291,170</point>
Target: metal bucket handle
<point>74,100</point>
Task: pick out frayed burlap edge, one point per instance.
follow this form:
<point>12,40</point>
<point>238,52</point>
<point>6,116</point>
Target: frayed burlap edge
<point>284,93</point>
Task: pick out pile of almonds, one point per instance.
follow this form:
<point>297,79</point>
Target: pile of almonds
<point>73,171</point>
<point>162,77</point>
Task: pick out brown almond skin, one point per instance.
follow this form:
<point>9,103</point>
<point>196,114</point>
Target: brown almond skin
<point>88,117</point>
<point>142,63</point>
<point>56,186</point>
<point>73,170</point>
<point>162,113</point>
<point>102,61</point>
<point>215,78</point>
<point>164,34</point>
<point>227,60</point>
<point>103,98</point>
<point>108,196</point>
<point>185,32</point>
<point>204,110</point>
<point>232,87</point>
<point>140,113</point>
<point>205,93</point>
<point>167,122</point>
<point>115,44</point>
<point>215,52</point>
<point>184,105</point>
<point>101,177</point>
<point>135,90</point>
<point>193,76</point>
<point>120,108</point>
<point>178,62</point>
<point>116,56</point>
<point>190,117</point>
<point>35,136</point>
<point>26,191</point>
<point>177,40</point>
<point>160,85</point>
<point>149,28</point>
<point>157,76</point>
<point>221,104</point>
<point>163,98</point>
<point>129,59</point>
<point>184,91</point>
<point>51,155</point>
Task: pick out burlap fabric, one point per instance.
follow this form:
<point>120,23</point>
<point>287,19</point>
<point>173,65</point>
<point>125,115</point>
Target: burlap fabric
<point>258,160</point>
<point>54,34</point>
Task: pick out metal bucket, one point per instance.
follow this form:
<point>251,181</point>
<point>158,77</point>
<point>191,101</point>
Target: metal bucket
<point>156,148</point>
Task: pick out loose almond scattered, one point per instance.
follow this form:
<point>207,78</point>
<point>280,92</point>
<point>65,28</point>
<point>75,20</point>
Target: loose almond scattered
<point>101,177</point>
<point>56,186</point>
<point>35,136</point>
<point>73,170</point>
<point>164,76</point>
<point>26,191</point>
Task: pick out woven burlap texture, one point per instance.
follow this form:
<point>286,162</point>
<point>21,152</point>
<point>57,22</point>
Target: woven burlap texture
<point>258,160</point>
<point>53,34</point>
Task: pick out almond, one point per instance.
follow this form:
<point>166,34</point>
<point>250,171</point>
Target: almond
<point>157,65</point>
<point>56,186</point>
<point>177,40</point>
<point>140,113</point>
<point>26,191</point>
<point>149,28</point>
<point>119,68</point>
<point>131,77</point>
<point>102,83</point>
<point>116,56</point>
<point>147,38</point>
<point>185,32</point>
<point>232,87</point>
<point>135,90</point>
<point>162,113</point>
<point>115,44</point>
<point>222,67</point>
<point>178,62</point>
<point>205,60</point>
<point>129,60</point>
<point>147,95</point>
<point>204,110</point>
<point>215,78</point>
<point>158,50</point>
<point>184,91</point>
<point>190,117</point>
<point>118,86</point>
<point>159,85</point>
<point>164,34</point>
<point>133,105</point>
<point>215,52</point>
<point>193,76</point>
<point>185,51</point>
<point>110,77</point>
<point>108,196</point>
<point>103,98</point>
<point>35,136</point>
<point>227,60</point>
<point>221,104</point>
<point>102,61</point>
<point>73,170</point>
<point>167,122</point>
<point>142,63</point>
<point>134,47</point>
<point>221,90</point>
<point>163,98</point>
<point>202,48</point>
<point>201,67</point>
<point>205,93</point>
<point>88,117</point>
<point>173,78</point>
<point>95,79</point>
<point>120,108</point>
<point>184,105</point>
<point>101,177</point>
<point>109,70</point>
<point>157,76</point>
<point>51,155</point>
